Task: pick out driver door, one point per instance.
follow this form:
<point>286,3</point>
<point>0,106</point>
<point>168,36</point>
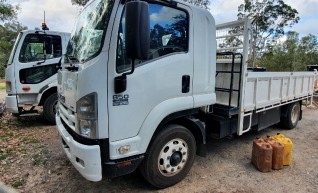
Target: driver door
<point>157,81</point>
<point>36,61</point>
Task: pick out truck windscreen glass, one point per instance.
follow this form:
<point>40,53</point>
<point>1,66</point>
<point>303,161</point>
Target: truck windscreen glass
<point>14,49</point>
<point>87,36</point>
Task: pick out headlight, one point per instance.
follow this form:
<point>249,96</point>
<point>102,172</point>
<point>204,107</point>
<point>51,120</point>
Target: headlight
<point>86,109</point>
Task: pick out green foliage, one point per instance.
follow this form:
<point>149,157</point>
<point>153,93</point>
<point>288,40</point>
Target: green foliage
<point>200,3</point>
<point>294,54</point>
<point>7,11</point>
<point>79,2</point>
<point>8,33</point>
<point>269,18</point>
<point>2,87</point>
<point>18,182</point>
<point>3,156</point>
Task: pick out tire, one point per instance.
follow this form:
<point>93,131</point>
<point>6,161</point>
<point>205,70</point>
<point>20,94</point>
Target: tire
<point>49,108</point>
<point>293,114</point>
<point>170,156</point>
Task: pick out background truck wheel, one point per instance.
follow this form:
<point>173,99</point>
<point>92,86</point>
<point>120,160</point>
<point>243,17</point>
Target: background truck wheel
<point>49,108</point>
<point>170,156</point>
<point>293,114</point>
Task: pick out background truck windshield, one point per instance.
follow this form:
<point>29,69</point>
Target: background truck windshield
<point>87,37</point>
<point>14,49</point>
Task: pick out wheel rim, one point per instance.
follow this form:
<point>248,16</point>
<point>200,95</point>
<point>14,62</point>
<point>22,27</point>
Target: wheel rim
<point>173,157</point>
<point>294,114</point>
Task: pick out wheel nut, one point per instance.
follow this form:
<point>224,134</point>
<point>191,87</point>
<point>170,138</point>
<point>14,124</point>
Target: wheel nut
<point>179,167</point>
<point>172,170</point>
<point>180,148</point>
<point>173,150</point>
<point>184,153</point>
<point>183,160</point>
<point>168,157</point>
<point>168,166</point>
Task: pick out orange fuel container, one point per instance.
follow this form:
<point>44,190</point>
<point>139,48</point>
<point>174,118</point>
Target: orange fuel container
<point>278,153</point>
<point>262,155</point>
<point>288,148</point>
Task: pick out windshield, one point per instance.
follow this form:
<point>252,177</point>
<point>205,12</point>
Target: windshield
<point>14,49</point>
<point>87,37</point>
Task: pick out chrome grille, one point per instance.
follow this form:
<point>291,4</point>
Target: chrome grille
<point>68,116</point>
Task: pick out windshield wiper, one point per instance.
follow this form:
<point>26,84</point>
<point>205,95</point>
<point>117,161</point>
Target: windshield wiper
<point>71,58</point>
<point>72,66</point>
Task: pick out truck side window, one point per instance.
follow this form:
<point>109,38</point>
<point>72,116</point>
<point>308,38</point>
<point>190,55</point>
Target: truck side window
<point>32,49</point>
<point>168,34</point>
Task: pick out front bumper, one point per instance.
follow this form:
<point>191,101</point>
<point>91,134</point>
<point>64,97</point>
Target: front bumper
<point>91,156</point>
<point>85,158</point>
<point>11,104</point>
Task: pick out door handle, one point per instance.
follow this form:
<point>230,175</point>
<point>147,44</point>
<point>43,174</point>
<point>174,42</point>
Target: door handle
<point>185,83</point>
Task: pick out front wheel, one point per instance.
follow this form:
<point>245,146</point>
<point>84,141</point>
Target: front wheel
<point>49,108</point>
<point>170,156</point>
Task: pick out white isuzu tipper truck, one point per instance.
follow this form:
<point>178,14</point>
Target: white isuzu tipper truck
<point>147,81</point>
<point>31,72</point>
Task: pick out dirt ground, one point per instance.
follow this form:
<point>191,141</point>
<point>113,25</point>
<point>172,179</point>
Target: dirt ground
<point>32,160</point>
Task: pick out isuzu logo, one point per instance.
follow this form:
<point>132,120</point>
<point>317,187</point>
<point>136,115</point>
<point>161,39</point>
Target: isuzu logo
<point>119,100</point>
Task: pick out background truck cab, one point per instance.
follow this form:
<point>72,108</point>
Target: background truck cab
<point>31,72</point>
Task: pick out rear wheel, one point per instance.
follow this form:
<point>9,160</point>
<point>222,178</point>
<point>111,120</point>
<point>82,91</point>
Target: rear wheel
<point>293,114</point>
<point>49,108</point>
<point>170,156</point>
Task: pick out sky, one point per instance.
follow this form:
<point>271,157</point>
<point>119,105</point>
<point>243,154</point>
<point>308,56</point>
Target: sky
<point>61,14</point>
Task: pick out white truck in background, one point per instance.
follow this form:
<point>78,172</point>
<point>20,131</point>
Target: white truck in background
<point>148,81</point>
<point>31,72</point>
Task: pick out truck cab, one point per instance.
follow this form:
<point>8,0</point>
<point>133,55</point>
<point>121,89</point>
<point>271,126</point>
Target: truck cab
<point>111,103</point>
<point>143,84</point>
<point>31,72</point>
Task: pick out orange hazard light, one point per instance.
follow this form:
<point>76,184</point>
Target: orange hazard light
<point>26,88</point>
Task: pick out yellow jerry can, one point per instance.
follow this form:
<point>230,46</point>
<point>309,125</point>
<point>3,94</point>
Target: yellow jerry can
<point>288,148</point>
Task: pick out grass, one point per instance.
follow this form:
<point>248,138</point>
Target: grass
<point>2,86</point>
<point>39,159</point>
<point>6,136</point>
<point>30,140</point>
<point>18,182</point>
<point>3,156</point>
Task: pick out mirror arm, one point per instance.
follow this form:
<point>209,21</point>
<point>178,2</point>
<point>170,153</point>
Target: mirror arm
<point>120,82</point>
<point>132,68</point>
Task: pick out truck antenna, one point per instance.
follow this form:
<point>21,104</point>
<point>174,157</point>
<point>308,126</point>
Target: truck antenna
<point>44,26</point>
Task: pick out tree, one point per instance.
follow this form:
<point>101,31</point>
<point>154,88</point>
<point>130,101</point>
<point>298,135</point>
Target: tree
<point>269,18</point>
<point>7,11</point>
<point>8,33</point>
<point>79,2</point>
<point>200,3</point>
<point>294,54</point>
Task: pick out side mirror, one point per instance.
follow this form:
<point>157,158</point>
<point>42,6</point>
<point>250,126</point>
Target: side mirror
<point>48,43</point>
<point>137,30</point>
<point>47,49</point>
<point>137,38</point>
